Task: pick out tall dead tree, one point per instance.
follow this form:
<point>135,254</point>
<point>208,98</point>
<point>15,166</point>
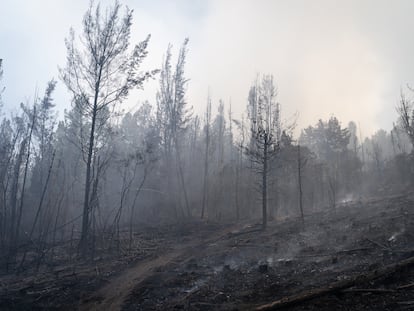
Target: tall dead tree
<point>26,169</point>
<point>219,129</point>
<point>173,115</point>
<point>206,154</point>
<point>100,71</point>
<point>301,164</point>
<point>264,115</point>
<point>239,163</point>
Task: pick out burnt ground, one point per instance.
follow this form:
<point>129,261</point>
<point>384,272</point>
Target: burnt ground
<point>203,266</point>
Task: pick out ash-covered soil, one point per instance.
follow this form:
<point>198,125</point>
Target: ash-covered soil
<point>250,267</point>
<point>206,266</point>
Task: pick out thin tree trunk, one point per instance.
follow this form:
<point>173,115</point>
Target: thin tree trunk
<point>205,182</point>
<point>39,208</point>
<point>133,206</point>
<point>181,176</point>
<point>124,191</point>
<point>300,185</point>
<point>237,181</point>
<point>26,168</point>
<point>14,190</point>
<point>59,206</point>
<point>264,184</point>
<point>83,243</point>
<point>5,180</point>
<point>94,202</point>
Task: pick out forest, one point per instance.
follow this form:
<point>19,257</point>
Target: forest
<point>89,193</point>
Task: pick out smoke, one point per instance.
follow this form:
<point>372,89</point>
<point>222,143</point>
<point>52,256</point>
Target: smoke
<point>346,58</point>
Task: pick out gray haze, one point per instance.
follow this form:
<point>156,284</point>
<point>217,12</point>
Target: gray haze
<point>347,58</point>
<point>161,208</point>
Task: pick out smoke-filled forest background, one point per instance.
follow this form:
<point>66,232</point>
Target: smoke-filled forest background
<point>97,172</point>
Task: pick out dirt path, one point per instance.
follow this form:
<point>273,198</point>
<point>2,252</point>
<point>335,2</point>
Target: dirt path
<point>113,295</point>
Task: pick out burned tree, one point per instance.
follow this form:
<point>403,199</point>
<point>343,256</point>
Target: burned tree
<point>206,155</point>
<point>329,141</point>
<point>100,72</point>
<point>265,125</point>
<point>406,114</point>
<point>173,116</point>
<point>301,163</point>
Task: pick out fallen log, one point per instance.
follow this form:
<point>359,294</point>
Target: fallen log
<point>378,244</point>
<point>234,234</point>
<point>406,303</point>
<point>345,251</point>
<point>337,286</point>
<point>369,290</point>
<point>406,286</point>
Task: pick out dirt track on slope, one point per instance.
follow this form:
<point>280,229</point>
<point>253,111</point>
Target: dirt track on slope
<point>113,295</point>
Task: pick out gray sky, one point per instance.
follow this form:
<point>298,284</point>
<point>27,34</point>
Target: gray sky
<point>343,58</point>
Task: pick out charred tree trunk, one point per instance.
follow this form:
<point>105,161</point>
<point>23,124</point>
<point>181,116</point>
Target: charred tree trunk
<point>300,185</point>
<point>137,192</point>
<point>264,182</point>
<point>15,189</point>
<point>26,168</point>
<point>205,184</point>
<point>39,208</point>
<point>83,243</point>
<point>237,181</point>
<point>181,178</point>
<point>205,181</point>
